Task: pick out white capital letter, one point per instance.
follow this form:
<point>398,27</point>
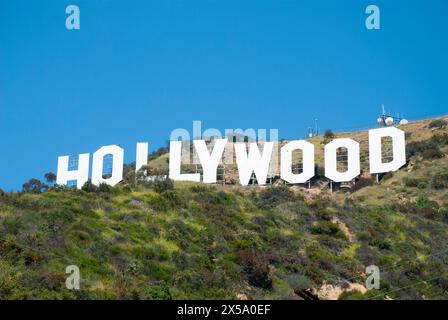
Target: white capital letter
<point>353,164</point>
<point>375,149</point>
<point>141,155</point>
<point>117,165</point>
<point>210,162</point>
<point>81,175</point>
<point>307,161</point>
<point>175,164</point>
<point>254,162</point>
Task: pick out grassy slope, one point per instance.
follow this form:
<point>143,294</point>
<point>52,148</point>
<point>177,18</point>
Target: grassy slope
<point>199,241</point>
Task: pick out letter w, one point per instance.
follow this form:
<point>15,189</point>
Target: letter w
<point>254,162</point>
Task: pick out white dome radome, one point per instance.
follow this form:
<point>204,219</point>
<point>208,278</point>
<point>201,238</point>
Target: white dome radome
<point>379,120</point>
<point>389,121</point>
<point>404,121</point>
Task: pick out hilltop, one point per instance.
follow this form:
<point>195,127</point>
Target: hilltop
<point>159,240</point>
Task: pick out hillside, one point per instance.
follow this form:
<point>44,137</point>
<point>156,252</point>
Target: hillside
<point>196,241</point>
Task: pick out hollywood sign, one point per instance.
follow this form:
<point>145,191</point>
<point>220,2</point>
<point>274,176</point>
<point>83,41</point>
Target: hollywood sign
<point>250,160</point>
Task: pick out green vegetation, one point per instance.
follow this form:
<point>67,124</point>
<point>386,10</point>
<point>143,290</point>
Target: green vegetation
<point>438,123</point>
<point>158,240</point>
<point>328,135</point>
<point>202,242</point>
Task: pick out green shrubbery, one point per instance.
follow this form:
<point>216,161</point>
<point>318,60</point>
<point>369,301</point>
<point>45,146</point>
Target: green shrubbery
<point>152,239</point>
<point>420,183</point>
<point>429,149</point>
<point>362,183</point>
<point>155,292</point>
<point>328,136</point>
<point>272,196</point>
<point>381,244</point>
<point>299,282</point>
<point>198,242</point>
<point>433,153</point>
<point>255,267</point>
<point>162,185</point>
<point>327,228</point>
<point>438,123</point>
<point>440,180</point>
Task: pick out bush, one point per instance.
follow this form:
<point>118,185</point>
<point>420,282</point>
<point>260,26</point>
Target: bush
<point>362,183</point>
<point>440,180</point>
<point>366,254</point>
<point>158,203</point>
<point>440,139</point>
<point>299,282</point>
<point>320,203</point>
<point>381,244</point>
<point>385,176</point>
<point>418,147</point>
<point>255,267</point>
<point>439,124</point>
<point>424,203</point>
<point>198,189</point>
<point>327,228</point>
<point>89,187</point>
<point>273,196</point>
<point>161,185</point>
<point>12,225</point>
<point>433,153</point>
<point>156,292</point>
<point>10,280</point>
<point>420,183</point>
<point>352,295</point>
<point>328,135</point>
<point>105,188</point>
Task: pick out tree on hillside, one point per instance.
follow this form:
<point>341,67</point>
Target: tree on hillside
<point>33,186</point>
<point>50,177</point>
<point>328,135</point>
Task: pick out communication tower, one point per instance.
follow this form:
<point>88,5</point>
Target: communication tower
<point>314,130</point>
<point>387,120</point>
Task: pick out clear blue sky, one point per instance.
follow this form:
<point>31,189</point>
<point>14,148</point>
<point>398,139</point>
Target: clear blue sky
<point>138,69</point>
